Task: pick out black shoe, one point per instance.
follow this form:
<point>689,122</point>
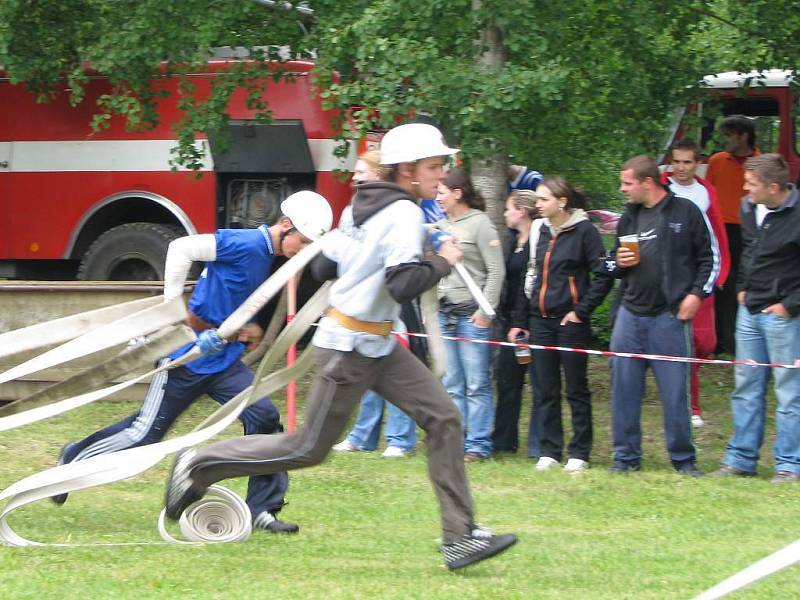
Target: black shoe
<point>727,471</point>
<point>267,521</point>
<point>476,546</point>
<point>621,466</point>
<point>59,499</point>
<point>180,494</point>
<point>688,468</point>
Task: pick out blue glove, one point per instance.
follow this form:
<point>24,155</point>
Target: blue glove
<point>437,238</point>
<point>210,343</point>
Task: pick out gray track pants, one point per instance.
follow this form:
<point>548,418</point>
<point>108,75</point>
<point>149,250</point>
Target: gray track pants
<point>341,380</point>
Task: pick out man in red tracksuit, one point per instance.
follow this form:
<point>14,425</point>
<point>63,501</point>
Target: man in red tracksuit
<point>683,182</point>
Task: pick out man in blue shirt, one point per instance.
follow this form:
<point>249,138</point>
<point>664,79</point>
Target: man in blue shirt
<point>237,262</point>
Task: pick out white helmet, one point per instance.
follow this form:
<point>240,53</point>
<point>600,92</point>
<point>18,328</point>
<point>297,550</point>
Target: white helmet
<point>413,142</point>
<point>309,213</point>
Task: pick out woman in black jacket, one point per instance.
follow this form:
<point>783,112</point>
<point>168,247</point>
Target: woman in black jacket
<point>509,375</point>
<point>566,283</point>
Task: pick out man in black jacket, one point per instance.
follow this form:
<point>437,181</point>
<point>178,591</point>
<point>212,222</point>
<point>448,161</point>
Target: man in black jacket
<point>768,321</point>
<point>665,283</point>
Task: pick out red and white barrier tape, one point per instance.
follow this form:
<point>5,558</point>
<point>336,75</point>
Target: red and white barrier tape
<point>609,353</point>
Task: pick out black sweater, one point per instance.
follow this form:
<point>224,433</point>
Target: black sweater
<point>770,266</point>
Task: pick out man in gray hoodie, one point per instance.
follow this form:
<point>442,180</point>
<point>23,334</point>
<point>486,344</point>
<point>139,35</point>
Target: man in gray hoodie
<point>377,255</point>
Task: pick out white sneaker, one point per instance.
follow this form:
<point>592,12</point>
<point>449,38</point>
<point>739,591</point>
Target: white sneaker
<point>697,421</point>
<point>576,465</point>
<point>345,446</point>
<point>545,463</point>
<point>394,452</point>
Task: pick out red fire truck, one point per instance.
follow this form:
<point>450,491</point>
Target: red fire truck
<point>104,205</point>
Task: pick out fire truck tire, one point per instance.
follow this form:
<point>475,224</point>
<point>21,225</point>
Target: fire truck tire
<point>129,252</point>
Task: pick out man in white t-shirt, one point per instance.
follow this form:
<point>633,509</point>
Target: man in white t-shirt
<point>684,182</point>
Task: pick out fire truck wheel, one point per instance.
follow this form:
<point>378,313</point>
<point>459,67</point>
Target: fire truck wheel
<point>129,252</point>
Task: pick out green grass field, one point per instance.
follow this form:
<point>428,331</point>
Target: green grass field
<point>370,526</point>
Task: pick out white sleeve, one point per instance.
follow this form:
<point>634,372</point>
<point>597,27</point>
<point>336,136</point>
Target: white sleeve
<point>180,256</point>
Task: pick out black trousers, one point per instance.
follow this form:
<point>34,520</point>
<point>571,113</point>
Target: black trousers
<point>725,304</point>
<point>509,378</point>
<point>547,367</point>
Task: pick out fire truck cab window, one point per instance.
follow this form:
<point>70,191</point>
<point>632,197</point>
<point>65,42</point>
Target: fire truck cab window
<point>251,202</point>
<point>763,110</point>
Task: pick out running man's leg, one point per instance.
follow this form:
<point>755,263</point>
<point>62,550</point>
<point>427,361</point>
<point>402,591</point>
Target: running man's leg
<point>341,380</point>
<point>408,384</point>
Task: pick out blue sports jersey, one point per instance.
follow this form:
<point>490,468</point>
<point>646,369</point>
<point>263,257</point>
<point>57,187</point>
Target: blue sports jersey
<point>244,260</point>
<point>432,211</point>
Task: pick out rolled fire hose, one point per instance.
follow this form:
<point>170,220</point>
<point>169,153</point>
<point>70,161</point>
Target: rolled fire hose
<point>127,463</point>
<point>220,517</point>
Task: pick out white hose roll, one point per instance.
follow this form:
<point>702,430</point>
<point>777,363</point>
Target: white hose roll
<point>220,517</point>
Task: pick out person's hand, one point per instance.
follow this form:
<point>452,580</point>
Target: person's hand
<point>779,310</point>
<point>250,335</point>
<point>479,321</point>
<point>450,252</point>
<point>514,332</point>
<point>689,307</point>
<point>571,317</point>
<point>626,258</point>
<point>741,296</point>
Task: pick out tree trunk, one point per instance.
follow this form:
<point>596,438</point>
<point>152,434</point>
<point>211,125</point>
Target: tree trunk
<point>489,173</point>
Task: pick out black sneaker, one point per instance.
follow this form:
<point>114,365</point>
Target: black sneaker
<point>267,521</point>
<point>180,495</point>
<point>688,468</point>
<point>59,499</point>
<point>621,466</point>
<point>478,545</point>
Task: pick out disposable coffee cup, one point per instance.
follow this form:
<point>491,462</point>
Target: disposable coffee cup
<point>631,242</point>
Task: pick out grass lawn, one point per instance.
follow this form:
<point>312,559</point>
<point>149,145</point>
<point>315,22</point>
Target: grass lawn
<point>370,526</point>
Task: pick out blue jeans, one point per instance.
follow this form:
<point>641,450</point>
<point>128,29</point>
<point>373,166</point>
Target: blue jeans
<point>661,334</point>
<point>764,337</point>
<point>468,381</point>
<point>401,431</point>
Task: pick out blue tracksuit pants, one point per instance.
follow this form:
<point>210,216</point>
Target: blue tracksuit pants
<point>171,393</point>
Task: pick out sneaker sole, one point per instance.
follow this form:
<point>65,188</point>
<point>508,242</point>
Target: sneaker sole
<point>60,499</point>
<point>189,497</point>
<point>503,542</point>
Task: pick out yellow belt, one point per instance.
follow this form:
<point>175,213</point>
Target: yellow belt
<point>383,328</point>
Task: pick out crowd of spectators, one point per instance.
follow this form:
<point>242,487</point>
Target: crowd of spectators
<point>703,266</point>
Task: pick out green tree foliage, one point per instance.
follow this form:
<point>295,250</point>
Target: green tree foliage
<point>583,85</point>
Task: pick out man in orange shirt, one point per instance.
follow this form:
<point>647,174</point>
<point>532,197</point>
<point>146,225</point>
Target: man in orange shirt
<point>726,174</point>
